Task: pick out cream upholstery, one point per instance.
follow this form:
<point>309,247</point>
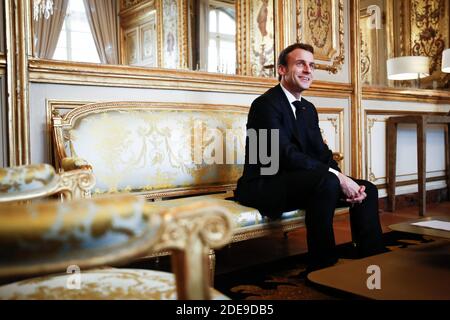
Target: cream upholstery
<point>50,236</point>
<point>142,149</point>
<point>99,284</point>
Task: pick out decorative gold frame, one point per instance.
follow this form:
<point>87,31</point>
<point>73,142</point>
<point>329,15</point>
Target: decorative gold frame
<point>135,11</point>
<point>415,29</point>
<point>182,30</point>
<point>282,21</point>
<point>339,111</point>
<point>337,14</point>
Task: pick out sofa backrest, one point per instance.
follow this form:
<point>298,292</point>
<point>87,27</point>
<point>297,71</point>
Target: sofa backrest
<point>159,149</point>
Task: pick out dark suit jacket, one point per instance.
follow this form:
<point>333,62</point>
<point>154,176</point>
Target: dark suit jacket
<point>308,154</point>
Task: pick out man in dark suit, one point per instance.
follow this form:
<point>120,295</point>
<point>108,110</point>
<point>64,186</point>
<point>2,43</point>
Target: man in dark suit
<point>307,176</point>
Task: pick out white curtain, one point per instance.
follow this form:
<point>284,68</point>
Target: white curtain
<point>102,17</point>
<point>46,31</point>
<point>203,33</point>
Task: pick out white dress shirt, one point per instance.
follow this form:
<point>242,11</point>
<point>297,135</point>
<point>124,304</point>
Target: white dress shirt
<point>291,100</point>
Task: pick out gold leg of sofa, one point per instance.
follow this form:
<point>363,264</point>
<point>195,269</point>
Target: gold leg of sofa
<point>212,266</point>
<point>190,232</point>
<point>191,269</point>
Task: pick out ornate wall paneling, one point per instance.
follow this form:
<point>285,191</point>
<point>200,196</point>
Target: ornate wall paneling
<point>263,31</point>
<point>321,24</point>
<point>154,33</point>
<point>331,122</point>
<point>140,34</point>
<point>405,94</point>
<point>373,54</point>
<point>423,29</point>
<point>173,14</point>
<point>375,155</point>
<point>53,71</point>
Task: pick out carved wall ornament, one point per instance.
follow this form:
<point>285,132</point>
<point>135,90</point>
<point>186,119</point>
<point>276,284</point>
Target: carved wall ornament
<point>421,30</point>
<point>317,23</point>
<point>126,4</point>
<point>427,38</point>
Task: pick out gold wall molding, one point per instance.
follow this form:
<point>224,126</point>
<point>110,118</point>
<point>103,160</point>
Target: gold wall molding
<point>282,20</point>
<point>368,161</point>
<point>130,8</point>
<point>355,111</point>
<point>338,125</point>
<point>406,95</point>
<point>128,4</point>
<point>63,72</point>
<point>241,37</point>
<point>2,60</point>
<point>309,29</point>
<point>18,49</point>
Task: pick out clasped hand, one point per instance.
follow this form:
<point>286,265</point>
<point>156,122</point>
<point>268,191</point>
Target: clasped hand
<point>354,192</point>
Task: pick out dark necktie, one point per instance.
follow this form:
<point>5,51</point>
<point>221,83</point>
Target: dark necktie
<point>300,112</point>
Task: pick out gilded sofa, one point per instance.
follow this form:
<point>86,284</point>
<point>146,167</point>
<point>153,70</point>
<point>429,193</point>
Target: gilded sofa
<point>73,244</point>
<point>176,152</point>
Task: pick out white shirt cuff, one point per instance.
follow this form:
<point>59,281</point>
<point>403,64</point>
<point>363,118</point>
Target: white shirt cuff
<point>334,171</point>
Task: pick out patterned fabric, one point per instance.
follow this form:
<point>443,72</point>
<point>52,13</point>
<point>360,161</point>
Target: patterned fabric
<point>54,229</point>
<point>26,178</point>
<point>98,284</point>
<point>243,216</point>
<point>153,149</point>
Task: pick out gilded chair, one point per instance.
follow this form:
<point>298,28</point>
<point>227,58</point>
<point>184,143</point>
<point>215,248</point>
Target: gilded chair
<point>41,180</point>
<point>54,239</point>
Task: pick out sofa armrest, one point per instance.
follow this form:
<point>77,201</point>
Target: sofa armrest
<point>68,164</point>
<point>40,180</point>
<point>75,184</point>
<point>190,232</point>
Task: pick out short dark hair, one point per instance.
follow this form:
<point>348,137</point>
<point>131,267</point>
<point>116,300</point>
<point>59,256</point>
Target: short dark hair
<point>282,58</point>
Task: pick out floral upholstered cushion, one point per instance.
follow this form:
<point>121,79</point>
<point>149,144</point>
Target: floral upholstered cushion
<point>99,284</point>
<point>26,178</point>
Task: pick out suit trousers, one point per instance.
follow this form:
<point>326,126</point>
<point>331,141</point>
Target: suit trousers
<point>320,201</point>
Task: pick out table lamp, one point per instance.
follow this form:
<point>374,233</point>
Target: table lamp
<point>408,68</point>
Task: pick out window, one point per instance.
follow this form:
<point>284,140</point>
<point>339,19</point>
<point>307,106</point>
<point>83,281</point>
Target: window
<point>222,47</point>
<point>75,41</point>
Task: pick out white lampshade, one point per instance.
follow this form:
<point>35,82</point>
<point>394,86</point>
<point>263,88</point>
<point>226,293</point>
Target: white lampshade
<point>446,60</point>
<point>408,68</point>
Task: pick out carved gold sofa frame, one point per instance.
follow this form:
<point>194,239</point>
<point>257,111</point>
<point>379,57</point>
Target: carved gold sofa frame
<point>165,151</point>
<point>40,180</point>
<point>48,237</point>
